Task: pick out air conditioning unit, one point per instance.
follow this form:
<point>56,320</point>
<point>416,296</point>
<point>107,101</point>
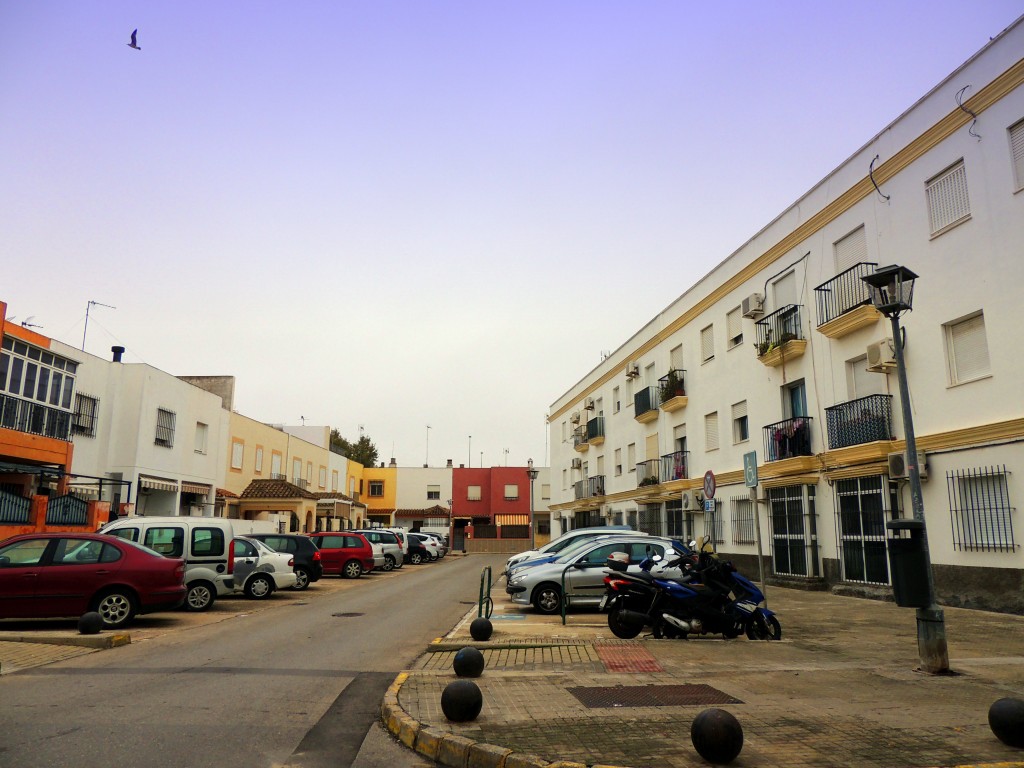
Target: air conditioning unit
<point>753,305</point>
<point>632,370</point>
<point>898,469</point>
<point>690,500</point>
<point>575,418</point>
<point>588,404</point>
<point>882,356</point>
<point>577,463</point>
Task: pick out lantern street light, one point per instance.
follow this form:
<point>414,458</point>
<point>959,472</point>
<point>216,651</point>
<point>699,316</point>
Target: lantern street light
<point>532,474</point>
<point>892,293</point>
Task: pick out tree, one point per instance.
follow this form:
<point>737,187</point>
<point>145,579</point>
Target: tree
<point>363,451</point>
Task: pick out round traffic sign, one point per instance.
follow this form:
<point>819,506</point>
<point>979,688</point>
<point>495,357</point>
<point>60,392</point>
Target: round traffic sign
<point>709,485</point>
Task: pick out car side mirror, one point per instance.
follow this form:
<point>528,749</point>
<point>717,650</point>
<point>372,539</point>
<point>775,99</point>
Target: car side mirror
<point>4,562</point>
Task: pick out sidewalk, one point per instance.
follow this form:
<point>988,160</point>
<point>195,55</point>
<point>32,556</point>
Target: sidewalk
<point>840,689</point>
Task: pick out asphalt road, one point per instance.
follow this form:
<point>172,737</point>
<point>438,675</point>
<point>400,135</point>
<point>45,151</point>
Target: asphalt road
<point>298,684</point>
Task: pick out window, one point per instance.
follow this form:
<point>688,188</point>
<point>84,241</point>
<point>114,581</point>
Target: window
<point>743,524</point>
<point>740,431</point>
<point>711,432</point>
<point>275,464</point>
<point>794,399</point>
<point>86,411</point>
<point>967,349</point>
<point>631,457</point>
<point>237,453</point>
<point>297,471</point>
<point>850,250</point>
<point>545,490</point>
<point>707,344</point>
<point>734,327</point>
<point>201,434</point>
<point>334,480</point>
<point>36,374</point>
<point>511,492</point>
<point>794,533</point>
<point>309,472</point>
<point>863,505</point>
<point>979,502</point>
<point>618,462</point>
<point>164,429</point>
<point>714,526</point>
<point>473,493</point>
<point>675,358</point>
<point>376,489</point>
<point>323,477</point>
<point>169,542</point>
<point>784,290</point>
<point>1017,150</point>
<point>433,492</point>
<point>259,459</point>
<point>616,401</point>
<point>860,382</point>
<point>207,542</point>
<point>948,203</point>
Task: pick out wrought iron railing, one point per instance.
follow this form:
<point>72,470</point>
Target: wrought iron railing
<point>673,384</point>
<point>595,428</point>
<point>34,418</point>
<point>66,510</point>
<point>579,490</point>
<point>776,329</point>
<point>843,292</point>
<point>674,466</point>
<point>863,420</point>
<point>14,509</point>
<point>644,401</point>
<point>788,438</point>
<point>579,435</point>
<point>648,473</point>
<point>595,486</point>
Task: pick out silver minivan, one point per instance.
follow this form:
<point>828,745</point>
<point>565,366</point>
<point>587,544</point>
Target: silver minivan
<point>389,544</point>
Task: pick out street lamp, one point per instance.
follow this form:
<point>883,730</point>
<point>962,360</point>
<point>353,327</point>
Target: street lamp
<point>892,293</point>
<point>532,474</point>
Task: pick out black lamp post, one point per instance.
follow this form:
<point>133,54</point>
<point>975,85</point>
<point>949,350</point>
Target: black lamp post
<point>532,474</point>
<point>892,293</point>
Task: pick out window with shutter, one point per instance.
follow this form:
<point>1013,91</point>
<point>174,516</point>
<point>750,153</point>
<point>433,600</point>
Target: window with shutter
<point>948,203</point>
<point>850,250</point>
<point>711,432</point>
<point>784,290</point>
<point>707,343</point>
<point>675,358</point>
<point>740,429</point>
<point>734,327</point>
<point>1017,150</point>
<point>237,451</point>
<point>164,428</point>
<point>967,349</point>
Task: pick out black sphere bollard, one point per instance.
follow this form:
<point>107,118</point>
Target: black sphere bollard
<point>717,736</point>
<point>1006,719</point>
<point>469,662</point>
<point>90,624</point>
<point>461,701</point>
<point>481,629</point>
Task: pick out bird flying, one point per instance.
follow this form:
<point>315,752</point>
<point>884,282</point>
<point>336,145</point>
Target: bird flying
<point>132,43</point>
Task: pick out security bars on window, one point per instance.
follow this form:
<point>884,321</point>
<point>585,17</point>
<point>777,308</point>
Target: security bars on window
<point>979,509</point>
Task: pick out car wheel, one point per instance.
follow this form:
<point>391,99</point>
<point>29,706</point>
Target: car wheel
<point>415,558</point>
<point>352,570</point>
<point>389,563</point>
<point>116,606</point>
<point>200,596</point>
<point>547,598</point>
<point>301,579</point>
<point>259,587</point>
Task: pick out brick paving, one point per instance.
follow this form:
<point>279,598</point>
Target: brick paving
<point>17,656</point>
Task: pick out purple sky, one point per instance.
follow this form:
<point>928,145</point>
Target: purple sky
<point>395,214</point>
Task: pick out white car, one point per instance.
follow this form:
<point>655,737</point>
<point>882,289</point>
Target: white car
<point>567,539</point>
<point>429,542</point>
<point>259,570</point>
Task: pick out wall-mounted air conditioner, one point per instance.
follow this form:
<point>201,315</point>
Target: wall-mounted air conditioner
<point>753,305</point>
<point>588,404</point>
<point>898,469</point>
<point>882,356</point>
<point>575,418</point>
<point>577,463</point>
<point>632,370</point>
<point>691,500</point>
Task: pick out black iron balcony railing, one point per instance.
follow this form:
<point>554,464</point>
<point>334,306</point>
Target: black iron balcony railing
<point>788,438</point>
<point>579,489</point>
<point>863,420</point>
<point>645,401</point>
<point>672,385</point>
<point>278,476</point>
<point>595,486</point>
<point>34,418</point>
<point>843,292</point>
<point>301,482</point>
<point>648,473</point>
<point>776,329</point>
<point>595,428</point>
<point>579,435</point>
<point>674,466</point>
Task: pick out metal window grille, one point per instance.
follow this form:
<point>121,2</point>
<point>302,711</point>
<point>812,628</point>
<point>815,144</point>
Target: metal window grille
<point>650,519</point>
<point>980,510</point>
<point>743,526</point>
<point>863,505</point>
<point>84,421</point>
<point>714,524</point>
<point>948,202</point>
<point>794,531</point>
<point>164,428</point>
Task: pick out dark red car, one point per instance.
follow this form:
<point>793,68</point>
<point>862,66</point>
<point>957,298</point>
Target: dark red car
<point>50,575</point>
<point>347,554</point>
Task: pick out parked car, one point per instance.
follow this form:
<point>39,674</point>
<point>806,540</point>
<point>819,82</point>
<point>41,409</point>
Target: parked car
<point>442,546</point>
<point>583,569</point>
<point>308,567</point>
<point>394,557</point>
<point>568,538</point>
<point>418,551</point>
<point>204,543</point>
<point>259,570</point>
<point>47,575</point>
<point>429,543</point>
<point>344,553</point>
<point>550,557</point>
<point>402,535</point>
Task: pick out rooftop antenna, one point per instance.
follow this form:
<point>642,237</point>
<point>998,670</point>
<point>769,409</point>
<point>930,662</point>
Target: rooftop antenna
<point>89,306</point>
<point>27,322</point>
<point>303,420</point>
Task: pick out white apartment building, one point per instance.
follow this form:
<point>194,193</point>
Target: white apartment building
<point>778,351</point>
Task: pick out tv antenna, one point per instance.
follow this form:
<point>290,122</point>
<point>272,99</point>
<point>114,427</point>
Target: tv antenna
<point>27,322</point>
<point>89,306</point>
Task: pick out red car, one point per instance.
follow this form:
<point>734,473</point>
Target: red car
<point>50,575</point>
<point>347,554</point>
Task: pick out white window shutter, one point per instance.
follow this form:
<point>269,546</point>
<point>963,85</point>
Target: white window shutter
<point>711,431</point>
<point>969,349</point>
<point>707,343</point>
<point>850,250</point>
<point>1017,149</point>
<point>948,202</point>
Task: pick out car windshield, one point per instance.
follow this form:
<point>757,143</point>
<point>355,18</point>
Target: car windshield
<point>571,555</point>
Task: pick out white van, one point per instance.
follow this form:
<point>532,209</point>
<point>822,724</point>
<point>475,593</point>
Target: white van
<point>205,543</point>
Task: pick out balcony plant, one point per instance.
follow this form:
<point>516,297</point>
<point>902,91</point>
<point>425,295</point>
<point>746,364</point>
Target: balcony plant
<point>673,386</point>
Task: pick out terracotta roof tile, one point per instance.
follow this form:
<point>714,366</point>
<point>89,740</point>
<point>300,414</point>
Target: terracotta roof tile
<point>275,489</point>
<point>434,511</point>
<point>225,493</point>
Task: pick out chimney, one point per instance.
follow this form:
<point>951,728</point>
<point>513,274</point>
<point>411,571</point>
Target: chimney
<point>393,464</point>
<point>118,351</point>
<point>449,463</point>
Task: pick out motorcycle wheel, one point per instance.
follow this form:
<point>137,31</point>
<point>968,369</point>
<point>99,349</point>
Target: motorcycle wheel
<point>764,628</point>
<point>620,628</point>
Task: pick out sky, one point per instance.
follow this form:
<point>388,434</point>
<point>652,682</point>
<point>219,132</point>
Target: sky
<point>425,220</point>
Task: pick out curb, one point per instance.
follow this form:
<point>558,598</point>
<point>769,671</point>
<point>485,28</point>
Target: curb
<point>84,641</point>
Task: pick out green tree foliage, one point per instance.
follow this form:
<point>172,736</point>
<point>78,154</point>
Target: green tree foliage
<point>362,451</point>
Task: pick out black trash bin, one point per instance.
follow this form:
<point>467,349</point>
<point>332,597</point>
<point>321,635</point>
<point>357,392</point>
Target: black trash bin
<point>908,565</point>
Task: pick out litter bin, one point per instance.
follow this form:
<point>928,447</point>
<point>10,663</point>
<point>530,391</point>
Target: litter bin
<point>908,565</point>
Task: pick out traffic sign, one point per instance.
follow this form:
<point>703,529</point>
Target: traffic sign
<point>709,485</point>
<point>750,469</point>
<point>709,505</point>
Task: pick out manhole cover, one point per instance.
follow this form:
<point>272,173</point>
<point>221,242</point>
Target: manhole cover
<point>651,696</point>
<point>345,615</point>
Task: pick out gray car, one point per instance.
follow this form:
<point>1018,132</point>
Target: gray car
<point>389,543</point>
<point>583,569</point>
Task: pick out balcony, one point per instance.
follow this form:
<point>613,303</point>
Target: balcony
<point>34,418</point>
<point>672,391</point>
<point>844,302</point>
<point>648,473</point>
<point>595,431</point>
<point>579,438</point>
<point>859,421</point>
<point>579,489</point>
<point>674,466</point>
<point>780,336</point>
<point>788,438</point>
<point>595,486</point>
<point>645,405</point>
